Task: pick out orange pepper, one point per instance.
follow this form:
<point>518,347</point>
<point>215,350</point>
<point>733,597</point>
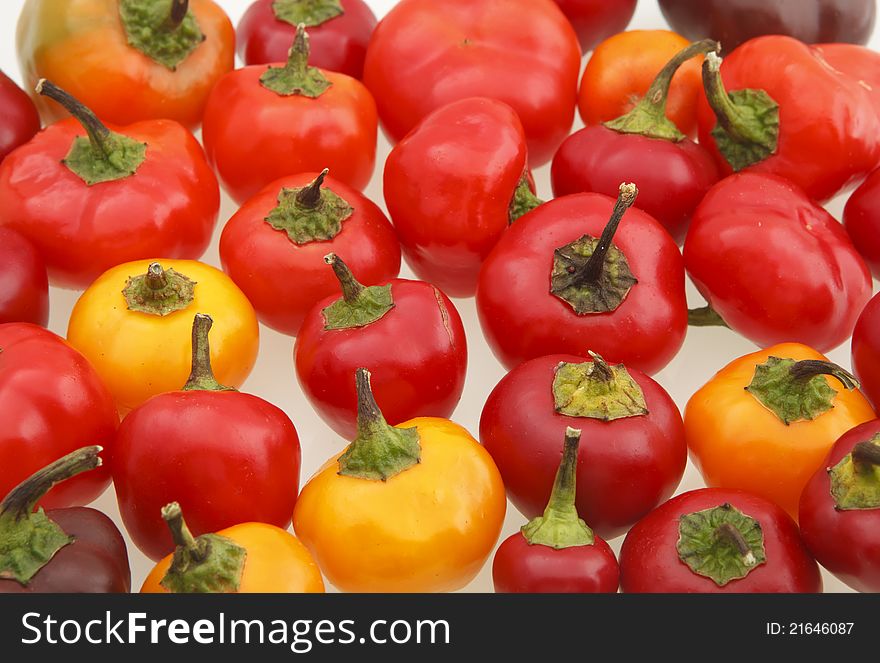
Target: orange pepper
<point>82,46</point>
<point>246,558</point>
<point>428,525</point>
<point>621,70</point>
<point>736,429</point>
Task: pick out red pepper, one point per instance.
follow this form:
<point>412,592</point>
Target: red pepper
<point>19,120</point>
<point>773,265</point>
<point>24,285</point>
<point>858,62</point>
<point>557,551</point>
<point>564,279</point>
<point>839,509</point>
<point>595,20</point>
<point>782,110</point>
<point>715,540</point>
<point>454,185</point>
<point>633,453</point>
<point>229,457</point>
<point>51,403</point>
<point>861,217</point>
<point>264,122</point>
<point>422,376</point>
<point>121,194</point>
<point>72,550</point>
<point>428,53</point>
<point>866,350</point>
<point>274,246</point>
<point>339,31</point>
<point>672,172</point>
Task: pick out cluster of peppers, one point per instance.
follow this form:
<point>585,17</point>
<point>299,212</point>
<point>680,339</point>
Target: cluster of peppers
<point>581,298</point>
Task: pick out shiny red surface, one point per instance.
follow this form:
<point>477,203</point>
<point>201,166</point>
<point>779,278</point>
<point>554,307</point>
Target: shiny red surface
<point>416,354</point>
<point>595,20</point>
<point>866,350</point>
<point>19,120</point>
<point>861,218</point>
<point>649,560</point>
<point>448,187</point>
<point>52,403</point>
<point>24,284</point>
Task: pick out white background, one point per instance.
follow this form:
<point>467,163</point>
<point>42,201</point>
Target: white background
<point>705,350</point>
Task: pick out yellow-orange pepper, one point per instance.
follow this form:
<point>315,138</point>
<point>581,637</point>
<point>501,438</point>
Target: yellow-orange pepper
<point>127,60</point>
<point>412,508</point>
<point>134,324</point>
<point>246,558</point>
<point>765,425</point>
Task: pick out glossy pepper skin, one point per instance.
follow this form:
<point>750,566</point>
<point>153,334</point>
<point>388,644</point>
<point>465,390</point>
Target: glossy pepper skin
<point>557,551</point>
<point>282,278</point>
<point>622,68</point>
<point>83,47</point>
<point>736,441</point>
<point>167,206</point>
<point>650,562</point>
<point>92,560</point>
<point>227,456</point>
<point>845,541</point>
<point>140,354</point>
<point>450,187</point>
<point>734,21</point>
<point>254,135</point>
<point>672,172</point>
<point>339,42</point>
<point>521,428</point>
<point>24,284</point>
<point>522,319</point>
<point>423,376</point>
<point>274,561</point>
<point>19,120</point>
<point>52,402</point>
<point>826,141</point>
<point>866,350</point>
<point>428,527</point>
<point>774,265</point>
<point>425,54</point>
<point>861,219</point>
<point>857,62</point>
<point>595,20</point>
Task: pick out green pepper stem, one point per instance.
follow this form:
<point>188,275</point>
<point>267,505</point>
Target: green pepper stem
<point>351,287</point>
<point>369,416</point>
<point>309,196</point>
<point>729,532</point>
<point>179,8</point>
<point>705,316</point>
<point>866,455</point>
<point>201,376</point>
<point>810,368</point>
<point>298,55</point>
<point>156,279</point>
<point>730,116</point>
<point>22,499</point>
<point>592,269</point>
<point>180,534</point>
<point>562,496</point>
<point>601,367</point>
<point>99,134</point>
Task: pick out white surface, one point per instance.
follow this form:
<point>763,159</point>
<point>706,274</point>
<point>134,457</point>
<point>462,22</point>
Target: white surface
<point>704,352</point>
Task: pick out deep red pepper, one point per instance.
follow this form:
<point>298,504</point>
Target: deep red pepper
<point>672,172</point>
<point>124,194</point>
<point>861,217</point>
<point>866,350</point>
<point>740,544</point>
<point>734,21</point>
<point>24,285</point>
<point>339,31</point>
<point>428,53</point>
<point>273,247</point>
<point>51,402</point>
<point>541,292</point>
<point>423,377</point>
<point>839,511</point>
<point>72,550</point>
<point>858,62</point>
<point>453,185</point>
<point>229,457</point>
<point>19,120</point>
<point>631,459</point>
<point>774,265</point>
<point>594,20</point>
<point>782,110</point>
<point>557,552</point>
